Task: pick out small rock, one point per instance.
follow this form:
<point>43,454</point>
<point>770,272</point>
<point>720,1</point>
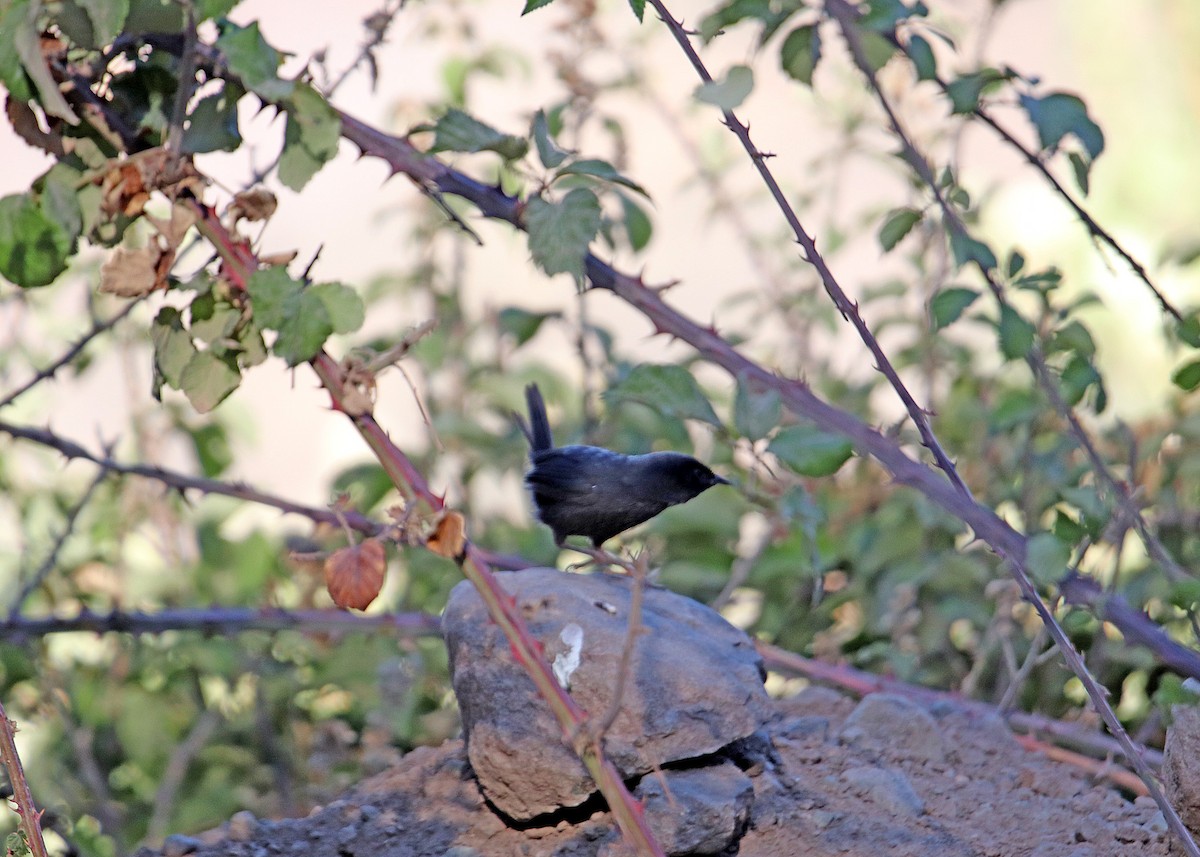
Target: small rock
<point>888,721</point>
<point>177,845</point>
<point>368,812</point>
<point>242,826</point>
<point>346,834</point>
<point>700,810</point>
<point>695,687</point>
<point>1181,764</point>
<point>461,851</point>
<point>887,787</point>
<point>806,728</point>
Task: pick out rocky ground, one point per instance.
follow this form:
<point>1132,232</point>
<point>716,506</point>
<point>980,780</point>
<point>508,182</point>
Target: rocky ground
<point>847,779</point>
<point>721,769</point>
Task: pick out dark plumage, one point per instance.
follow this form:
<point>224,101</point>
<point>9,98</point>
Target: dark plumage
<point>598,493</point>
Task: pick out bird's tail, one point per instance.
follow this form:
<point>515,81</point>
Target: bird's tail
<point>539,424</point>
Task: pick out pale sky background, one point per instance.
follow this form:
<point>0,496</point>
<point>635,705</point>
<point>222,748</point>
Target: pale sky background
<point>1134,65</point>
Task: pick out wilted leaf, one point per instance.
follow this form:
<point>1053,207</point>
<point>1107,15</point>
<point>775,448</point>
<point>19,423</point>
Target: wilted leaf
<point>354,575</point>
<point>810,451</point>
<point>669,389</point>
<point>560,232</point>
<point>449,536</point>
<point>129,272</point>
<point>729,92</point>
<point>253,205</point>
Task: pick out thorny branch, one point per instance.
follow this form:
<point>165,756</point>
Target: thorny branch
<point>846,17</point>
<point>31,816</point>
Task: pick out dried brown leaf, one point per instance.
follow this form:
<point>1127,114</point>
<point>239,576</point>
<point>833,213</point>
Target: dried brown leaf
<point>354,575</point>
<point>258,203</point>
<point>449,536</point>
<point>131,272</point>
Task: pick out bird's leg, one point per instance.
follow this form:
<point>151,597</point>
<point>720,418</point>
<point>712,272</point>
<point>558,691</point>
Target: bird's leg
<point>597,556</point>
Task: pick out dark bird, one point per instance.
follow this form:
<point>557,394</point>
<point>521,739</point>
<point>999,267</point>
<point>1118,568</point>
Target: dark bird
<point>595,492</point>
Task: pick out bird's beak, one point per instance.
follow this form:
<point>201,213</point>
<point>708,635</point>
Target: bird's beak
<point>720,480</point>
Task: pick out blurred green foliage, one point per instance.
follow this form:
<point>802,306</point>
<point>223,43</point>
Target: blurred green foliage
<point>131,738</point>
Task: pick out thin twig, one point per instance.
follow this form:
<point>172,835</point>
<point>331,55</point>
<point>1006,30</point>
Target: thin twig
<point>220,620</point>
<point>177,767</point>
<point>847,17</point>
<point>848,308</point>
<point>39,576</point>
<point>184,482</point>
<point>637,572</point>
<point>71,353</point>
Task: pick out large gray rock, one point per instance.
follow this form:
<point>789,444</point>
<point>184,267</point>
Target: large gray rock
<point>695,686</point>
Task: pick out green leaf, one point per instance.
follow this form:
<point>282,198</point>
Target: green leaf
<point>729,92</point>
<point>638,226</point>
<point>883,15</point>
<point>923,60</point>
<point>274,295</point>
<point>1187,376</point>
<point>207,10</point>
<point>1073,336</point>
<point>1189,330</point>
<point>531,5</point>
<point>521,324</point>
<point>311,138</point>
<point>949,304</point>
<point>1059,114</point>
<point>1016,334</point>
<point>877,49</point>
<point>342,304</point>
<point>770,14</point>
<point>810,451</point>
<point>755,412</point>
<point>25,40</point>
<point>34,246</point>
<point>639,9</point>
<point>1080,168</point>
<point>107,17</point>
<point>304,331</point>
<point>1046,558</point>
<point>1077,376</point>
<point>173,348</point>
<point>212,126</point>
<point>456,131</point>
<point>212,321</point>
<point>154,16</point>
<point>548,151</point>
<point>208,379</point>
<point>14,27</point>
<point>601,170</point>
<point>898,224</point>
<point>668,389</point>
<point>254,61</point>
<point>967,249</point>
<point>801,52</point>
<point>1014,407</point>
<point>560,232</point>
<point>966,90</point>
<point>1016,262</point>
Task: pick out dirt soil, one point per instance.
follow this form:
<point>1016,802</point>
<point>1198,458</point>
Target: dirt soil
<point>822,793</point>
